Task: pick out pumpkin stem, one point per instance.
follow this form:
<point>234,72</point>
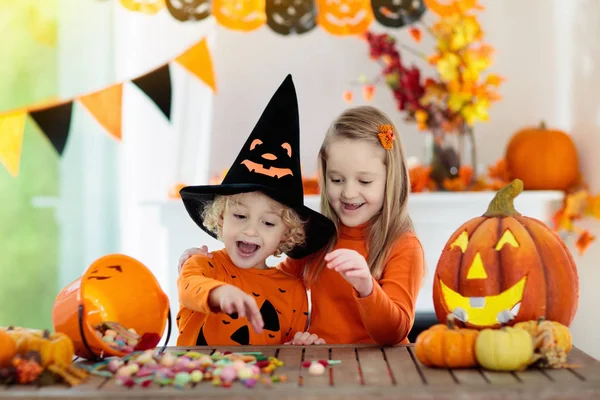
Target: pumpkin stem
<point>540,320</point>
<point>46,334</point>
<point>543,125</point>
<point>502,204</point>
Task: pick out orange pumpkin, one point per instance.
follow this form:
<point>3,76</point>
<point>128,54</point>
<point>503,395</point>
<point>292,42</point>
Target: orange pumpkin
<point>8,349</point>
<point>544,159</point>
<point>503,268</point>
<point>241,15</point>
<point>346,17</point>
<point>445,346</point>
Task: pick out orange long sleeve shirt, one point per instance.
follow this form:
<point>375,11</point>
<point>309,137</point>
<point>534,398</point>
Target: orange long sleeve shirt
<point>281,298</point>
<point>385,316</point>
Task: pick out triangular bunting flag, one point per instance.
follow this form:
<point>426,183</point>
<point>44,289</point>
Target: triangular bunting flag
<point>197,60</point>
<point>105,107</point>
<point>157,86</point>
<point>12,127</point>
<point>54,123</point>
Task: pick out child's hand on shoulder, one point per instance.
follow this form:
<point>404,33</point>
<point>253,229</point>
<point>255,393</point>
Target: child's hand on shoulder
<point>202,251</point>
<point>305,339</point>
<point>230,299</point>
<point>353,267</point>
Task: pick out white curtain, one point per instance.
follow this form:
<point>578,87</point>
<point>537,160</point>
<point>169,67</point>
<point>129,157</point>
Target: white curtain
<point>110,191</point>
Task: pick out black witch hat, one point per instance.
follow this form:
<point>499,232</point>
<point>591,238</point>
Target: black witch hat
<point>269,162</point>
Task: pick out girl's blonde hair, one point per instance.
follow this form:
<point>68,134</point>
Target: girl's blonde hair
<point>362,123</point>
<point>295,235</point>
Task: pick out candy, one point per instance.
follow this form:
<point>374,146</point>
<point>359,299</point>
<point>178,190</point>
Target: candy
<point>143,368</point>
<point>316,369</point>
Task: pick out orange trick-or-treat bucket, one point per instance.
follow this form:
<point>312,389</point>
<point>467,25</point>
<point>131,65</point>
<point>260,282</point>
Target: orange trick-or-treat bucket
<point>115,288</point>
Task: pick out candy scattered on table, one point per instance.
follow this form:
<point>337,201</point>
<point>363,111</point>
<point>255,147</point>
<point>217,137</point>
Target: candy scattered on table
<point>180,369</point>
<point>318,367</point>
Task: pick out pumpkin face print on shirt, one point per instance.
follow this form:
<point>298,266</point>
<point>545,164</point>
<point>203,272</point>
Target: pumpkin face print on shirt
<point>239,327</point>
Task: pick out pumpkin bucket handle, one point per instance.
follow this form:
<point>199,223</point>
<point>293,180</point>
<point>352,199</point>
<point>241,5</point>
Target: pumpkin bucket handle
<point>93,355</point>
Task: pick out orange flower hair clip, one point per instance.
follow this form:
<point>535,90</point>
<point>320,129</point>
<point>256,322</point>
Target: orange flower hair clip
<point>386,136</point>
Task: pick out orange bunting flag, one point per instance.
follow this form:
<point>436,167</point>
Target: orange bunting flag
<point>12,127</point>
<point>105,107</point>
<point>197,60</point>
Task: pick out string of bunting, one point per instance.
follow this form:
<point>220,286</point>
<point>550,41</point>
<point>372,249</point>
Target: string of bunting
<point>286,17</point>
<point>105,106</point>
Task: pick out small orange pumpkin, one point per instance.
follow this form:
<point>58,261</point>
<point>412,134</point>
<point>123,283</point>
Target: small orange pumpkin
<point>445,346</point>
<point>544,159</point>
<point>8,349</point>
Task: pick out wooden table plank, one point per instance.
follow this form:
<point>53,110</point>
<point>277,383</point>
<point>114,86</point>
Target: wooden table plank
<point>584,366</point>
<point>433,376</point>
<point>291,357</point>
<point>402,366</point>
<point>374,368</point>
<point>469,376</point>
<point>533,377</point>
<point>315,353</point>
<point>347,373</point>
<point>500,378</point>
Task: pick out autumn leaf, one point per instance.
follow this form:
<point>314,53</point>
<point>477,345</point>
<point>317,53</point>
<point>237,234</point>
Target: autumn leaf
<point>415,34</point>
<point>583,241</point>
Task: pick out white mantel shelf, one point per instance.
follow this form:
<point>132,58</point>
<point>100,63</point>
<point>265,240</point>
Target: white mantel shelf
<point>436,215</point>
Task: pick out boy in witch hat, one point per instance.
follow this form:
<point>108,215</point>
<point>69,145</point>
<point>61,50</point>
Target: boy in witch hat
<point>257,211</point>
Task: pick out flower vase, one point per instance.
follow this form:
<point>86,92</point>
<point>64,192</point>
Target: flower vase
<point>447,153</point>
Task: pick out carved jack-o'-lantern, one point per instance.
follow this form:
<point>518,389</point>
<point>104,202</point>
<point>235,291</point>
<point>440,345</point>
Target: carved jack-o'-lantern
<point>397,13</point>
<point>502,268</point>
<point>288,16</point>
<point>188,10</point>
<point>273,162</point>
<point>241,333</point>
<point>242,15</point>
<point>344,17</point>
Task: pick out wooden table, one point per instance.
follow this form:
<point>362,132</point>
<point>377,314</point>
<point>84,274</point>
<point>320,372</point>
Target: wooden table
<point>365,372</point>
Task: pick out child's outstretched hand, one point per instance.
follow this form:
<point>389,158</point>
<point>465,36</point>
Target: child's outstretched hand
<point>230,299</point>
<point>202,251</point>
<point>305,339</point>
<point>353,267</point>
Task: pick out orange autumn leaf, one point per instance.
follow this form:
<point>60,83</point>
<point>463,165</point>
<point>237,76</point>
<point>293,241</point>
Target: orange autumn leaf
<point>415,33</point>
<point>419,178</point>
<point>575,204</point>
<point>583,241</point>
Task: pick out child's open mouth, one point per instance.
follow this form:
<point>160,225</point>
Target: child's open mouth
<point>246,249</point>
<point>351,206</point>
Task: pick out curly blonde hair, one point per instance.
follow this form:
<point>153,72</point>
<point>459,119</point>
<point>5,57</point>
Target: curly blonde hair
<point>294,236</point>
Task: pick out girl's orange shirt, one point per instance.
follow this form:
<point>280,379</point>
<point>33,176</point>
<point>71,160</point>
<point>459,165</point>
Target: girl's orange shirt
<point>384,317</point>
